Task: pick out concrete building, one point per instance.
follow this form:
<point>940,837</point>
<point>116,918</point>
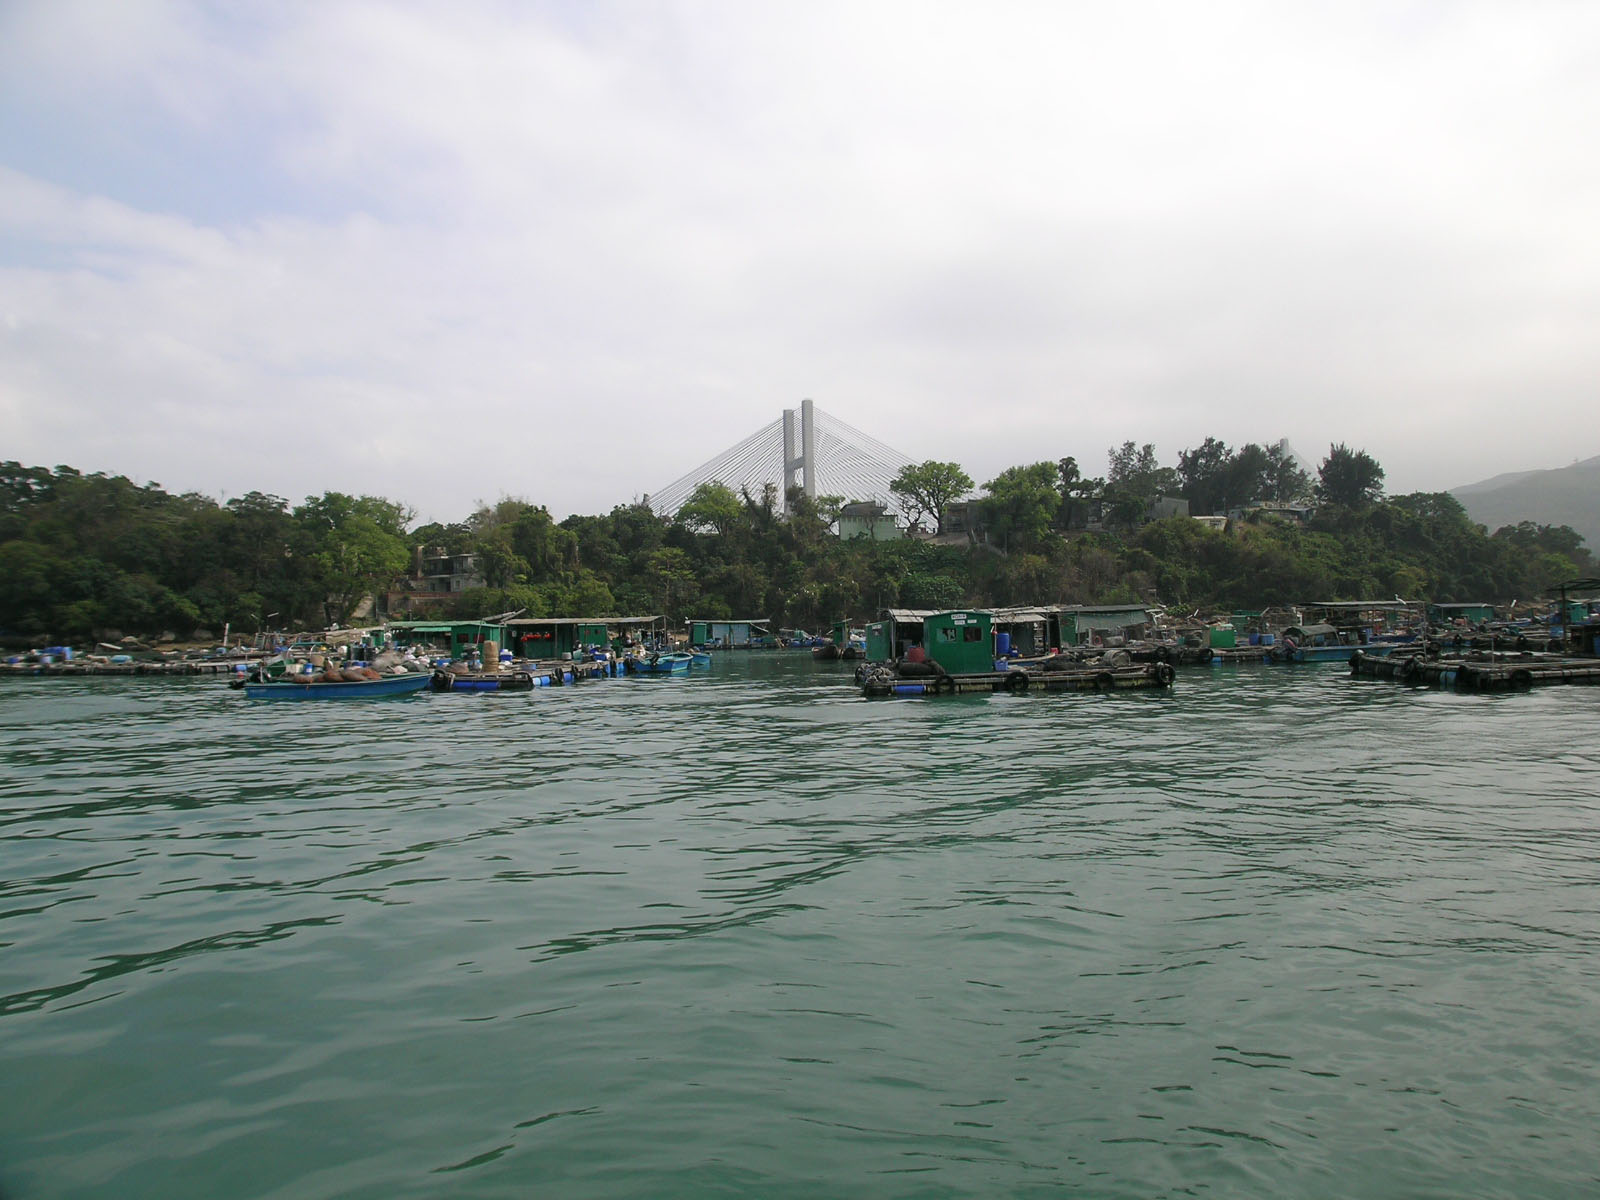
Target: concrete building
<point>868,519</point>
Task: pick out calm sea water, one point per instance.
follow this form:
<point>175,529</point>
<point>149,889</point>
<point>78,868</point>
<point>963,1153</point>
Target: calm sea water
<point>1278,933</point>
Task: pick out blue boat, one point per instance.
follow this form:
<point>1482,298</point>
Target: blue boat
<point>702,658</point>
<point>389,685</point>
<point>676,663</point>
<point>1323,643</point>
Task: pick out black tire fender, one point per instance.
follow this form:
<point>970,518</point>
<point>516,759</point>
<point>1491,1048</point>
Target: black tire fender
<point>1017,682</point>
<point>945,685</point>
<point>1165,675</point>
<point>1104,681</point>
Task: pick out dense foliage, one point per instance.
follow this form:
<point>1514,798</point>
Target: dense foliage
<point>97,556</point>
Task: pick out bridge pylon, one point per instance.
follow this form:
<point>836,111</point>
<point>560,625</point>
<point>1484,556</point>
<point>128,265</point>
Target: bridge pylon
<point>806,449</point>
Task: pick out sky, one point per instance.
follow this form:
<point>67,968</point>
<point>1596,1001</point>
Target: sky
<point>569,251</point>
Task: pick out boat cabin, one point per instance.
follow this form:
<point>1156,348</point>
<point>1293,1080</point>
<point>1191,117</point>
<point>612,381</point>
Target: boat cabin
<point>1307,636</point>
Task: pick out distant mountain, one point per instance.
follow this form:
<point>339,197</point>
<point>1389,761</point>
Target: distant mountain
<point>1563,496</point>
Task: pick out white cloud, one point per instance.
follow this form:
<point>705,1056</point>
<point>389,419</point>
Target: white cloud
<point>573,251</point>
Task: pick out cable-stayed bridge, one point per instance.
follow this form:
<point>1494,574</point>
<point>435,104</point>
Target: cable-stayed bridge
<point>806,448</point>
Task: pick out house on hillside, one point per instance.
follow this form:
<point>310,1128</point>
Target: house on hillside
<point>435,576</point>
<point>963,522</point>
<point>868,519</point>
<point>1093,516</point>
<point>1272,510</point>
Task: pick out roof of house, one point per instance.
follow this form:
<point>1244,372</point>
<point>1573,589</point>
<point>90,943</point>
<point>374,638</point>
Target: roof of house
<point>583,621</point>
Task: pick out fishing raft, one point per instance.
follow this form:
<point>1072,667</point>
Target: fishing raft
<point>1482,671</point>
<point>953,653</point>
<point>892,680</point>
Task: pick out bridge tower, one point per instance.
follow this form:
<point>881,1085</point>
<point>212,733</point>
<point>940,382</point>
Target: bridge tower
<point>799,452</point>
<point>805,448</point>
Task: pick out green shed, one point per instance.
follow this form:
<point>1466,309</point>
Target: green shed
<point>880,641</point>
<point>740,633</point>
<point>960,642</point>
<point>1084,622</point>
<point>551,637</point>
<point>456,635</point>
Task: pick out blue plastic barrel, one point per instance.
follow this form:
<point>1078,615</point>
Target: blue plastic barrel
<point>1002,644</point>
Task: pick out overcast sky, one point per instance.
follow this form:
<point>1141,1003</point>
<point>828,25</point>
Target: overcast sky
<point>570,251</point>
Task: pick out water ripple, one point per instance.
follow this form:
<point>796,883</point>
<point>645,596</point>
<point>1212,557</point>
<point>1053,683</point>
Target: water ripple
<point>1275,933</point>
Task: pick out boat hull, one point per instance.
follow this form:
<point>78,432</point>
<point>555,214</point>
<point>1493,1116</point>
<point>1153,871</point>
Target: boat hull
<point>1339,654</point>
<point>389,685</point>
<point>664,664</point>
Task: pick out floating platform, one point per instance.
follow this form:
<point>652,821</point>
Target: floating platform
<point>1241,654</point>
<point>523,677</point>
<point>884,681</point>
<point>79,668</point>
<point>1480,672</point>
<point>483,681</point>
<point>1177,654</point>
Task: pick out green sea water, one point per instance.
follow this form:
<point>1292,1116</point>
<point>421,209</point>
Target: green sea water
<point>1275,933</point>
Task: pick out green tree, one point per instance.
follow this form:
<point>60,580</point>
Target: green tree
<point>929,488</point>
<point>713,507</point>
<point>673,577</point>
<point>1135,470</point>
<point>1285,481</point>
<point>1200,473</point>
<point>1076,492</point>
<point>357,546</point>
<point>1349,478</point>
<point>1134,479</point>
<point>498,561</point>
<point>1022,504</point>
